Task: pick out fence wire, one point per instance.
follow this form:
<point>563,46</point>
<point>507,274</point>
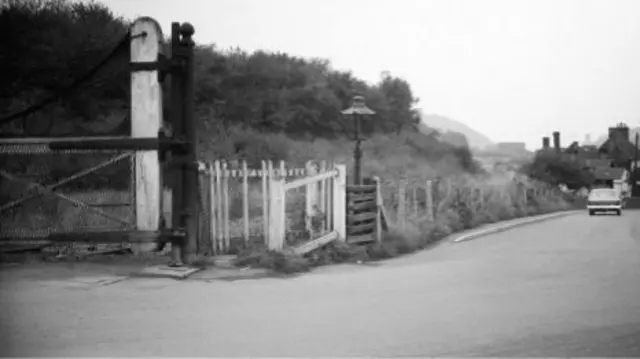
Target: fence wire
<point>45,193</point>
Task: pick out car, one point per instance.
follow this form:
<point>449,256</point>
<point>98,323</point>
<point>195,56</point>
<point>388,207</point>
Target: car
<point>604,200</point>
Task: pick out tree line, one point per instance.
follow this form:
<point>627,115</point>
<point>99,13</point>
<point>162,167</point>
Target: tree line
<point>50,44</point>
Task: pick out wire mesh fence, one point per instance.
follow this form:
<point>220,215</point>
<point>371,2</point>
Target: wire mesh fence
<point>44,193</point>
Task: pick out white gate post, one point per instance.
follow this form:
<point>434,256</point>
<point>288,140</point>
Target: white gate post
<point>340,202</point>
<point>277,214</point>
<point>311,200</point>
<point>146,119</point>
<point>429,200</point>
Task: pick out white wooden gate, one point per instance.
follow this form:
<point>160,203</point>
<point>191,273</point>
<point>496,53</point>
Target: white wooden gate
<point>331,183</point>
<point>245,206</point>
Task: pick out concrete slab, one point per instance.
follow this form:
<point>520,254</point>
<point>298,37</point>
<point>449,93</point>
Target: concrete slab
<point>103,280</point>
<point>86,282</point>
<point>164,271</point>
<point>232,274</point>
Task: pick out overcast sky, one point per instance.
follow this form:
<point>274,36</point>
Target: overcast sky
<point>515,70</point>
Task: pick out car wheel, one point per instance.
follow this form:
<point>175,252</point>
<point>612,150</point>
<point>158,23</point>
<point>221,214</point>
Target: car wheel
<point>591,213</point>
<point>619,212</point>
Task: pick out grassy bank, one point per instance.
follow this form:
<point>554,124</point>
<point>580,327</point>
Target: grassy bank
<point>460,204</point>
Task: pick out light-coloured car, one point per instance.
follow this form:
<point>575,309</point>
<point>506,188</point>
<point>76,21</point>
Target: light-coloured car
<point>604,200</point>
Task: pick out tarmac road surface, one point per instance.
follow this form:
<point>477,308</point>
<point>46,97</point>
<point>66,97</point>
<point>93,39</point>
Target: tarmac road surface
<point>564,287</point>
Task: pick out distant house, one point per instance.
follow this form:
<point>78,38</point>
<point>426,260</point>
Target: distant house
<point>618,147</point>
<point>586,155</point>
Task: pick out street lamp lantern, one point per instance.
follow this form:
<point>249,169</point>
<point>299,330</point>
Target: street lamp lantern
<point>358,110</point>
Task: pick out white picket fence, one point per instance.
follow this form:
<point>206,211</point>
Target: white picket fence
<point>243,205</point>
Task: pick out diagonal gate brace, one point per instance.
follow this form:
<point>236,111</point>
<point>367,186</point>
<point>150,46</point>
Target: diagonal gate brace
<point>66,198</point>
<point>50,188</point>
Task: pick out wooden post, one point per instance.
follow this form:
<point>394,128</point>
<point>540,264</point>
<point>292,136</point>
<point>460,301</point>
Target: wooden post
<point>328,215</point>
<point>414,201</point>
<point>311,200</point>
<point>212,208</point>
<point>340,202</point>
<point>277,214</point>
<point>323,189</point>
<point>219,207</point>
<point>429,200</point>
<point>225,204</point>
<point>245,201</point>
<point>379,205</point>
<point>146,119</point>
<point>265,200</point>
<point>402,206</point>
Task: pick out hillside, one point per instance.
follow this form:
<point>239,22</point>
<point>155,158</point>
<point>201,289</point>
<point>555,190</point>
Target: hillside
<point>474,138</point>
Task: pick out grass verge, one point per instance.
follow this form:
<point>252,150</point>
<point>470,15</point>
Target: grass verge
<point>417,235</point>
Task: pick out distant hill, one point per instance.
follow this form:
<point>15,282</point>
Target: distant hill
<point>443,124</point>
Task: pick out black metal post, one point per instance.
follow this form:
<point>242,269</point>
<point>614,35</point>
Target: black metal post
<point>173,173</point>
<point>357,152</point>
<point>357,157</point>
<point>189,170</point>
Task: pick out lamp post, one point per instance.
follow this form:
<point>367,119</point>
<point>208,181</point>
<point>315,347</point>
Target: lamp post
<point>357,110</point>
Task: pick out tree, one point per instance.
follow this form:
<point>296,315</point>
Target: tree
<point>49,45</point>
<point>555,170</point>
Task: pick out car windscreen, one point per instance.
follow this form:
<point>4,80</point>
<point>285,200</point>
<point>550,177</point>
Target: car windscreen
<point>603,194</point>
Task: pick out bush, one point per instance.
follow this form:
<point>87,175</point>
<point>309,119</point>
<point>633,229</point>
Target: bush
<point>555,169</point>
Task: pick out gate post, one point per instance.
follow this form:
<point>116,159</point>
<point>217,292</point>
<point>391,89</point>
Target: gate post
<point>146,118</point>
<point>190,169</point>
<point>184,173</point>
<point>340,202</point>
<point>429,200</point>
<point>176,123</point>
<point>277,214</point>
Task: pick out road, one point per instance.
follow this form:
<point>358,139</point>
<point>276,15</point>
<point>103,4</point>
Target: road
<point>566,287</point>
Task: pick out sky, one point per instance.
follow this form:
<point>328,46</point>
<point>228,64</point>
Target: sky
<point>515,70</point>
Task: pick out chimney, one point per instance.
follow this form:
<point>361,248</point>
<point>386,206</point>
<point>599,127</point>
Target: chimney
<point>619,133</point>
<point>545,143</point>
<point>556,141</point>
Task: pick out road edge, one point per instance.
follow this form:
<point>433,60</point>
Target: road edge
<point>513,224</point>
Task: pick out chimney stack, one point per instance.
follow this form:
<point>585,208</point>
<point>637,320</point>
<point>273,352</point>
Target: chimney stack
<point>556,141</point>
<point>545,143</point>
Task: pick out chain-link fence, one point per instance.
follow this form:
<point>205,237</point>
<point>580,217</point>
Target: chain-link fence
<point>46,193</point>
